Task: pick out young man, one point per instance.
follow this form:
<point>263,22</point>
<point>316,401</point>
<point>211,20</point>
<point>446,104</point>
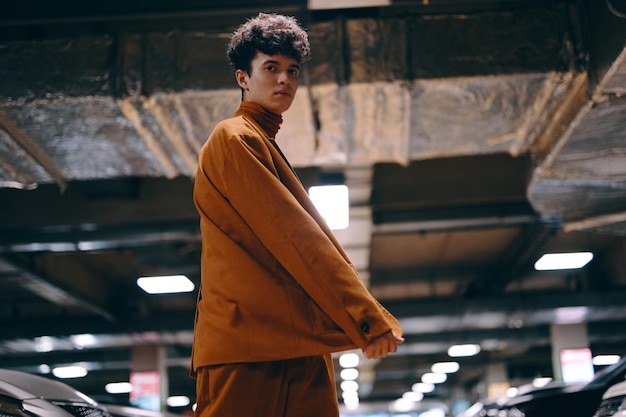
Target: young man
<point>278,293</point>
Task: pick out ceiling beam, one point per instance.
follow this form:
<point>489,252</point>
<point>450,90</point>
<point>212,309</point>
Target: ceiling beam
<point>16,135</point>
<point>42,286</point>
<point>595,222</point>
<point>85,239</point>
<point>509,303</point>
<point>517,258</point>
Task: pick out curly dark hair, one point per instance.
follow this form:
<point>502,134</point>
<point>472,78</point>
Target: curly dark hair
<point>271,34</point>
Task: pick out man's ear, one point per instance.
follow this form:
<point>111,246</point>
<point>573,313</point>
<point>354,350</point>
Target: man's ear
<point>242,78</point>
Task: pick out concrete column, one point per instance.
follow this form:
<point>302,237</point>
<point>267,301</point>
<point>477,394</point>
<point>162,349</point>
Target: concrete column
<point>575,339</point>
<point>497,380</point>
<point>149,377</point>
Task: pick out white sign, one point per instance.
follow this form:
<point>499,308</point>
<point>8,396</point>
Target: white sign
<point>576,365</point>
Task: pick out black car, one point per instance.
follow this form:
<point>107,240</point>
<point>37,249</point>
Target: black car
<point>566,401</point>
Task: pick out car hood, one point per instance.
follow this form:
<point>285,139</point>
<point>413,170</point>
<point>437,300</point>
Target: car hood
<point>23,386</point>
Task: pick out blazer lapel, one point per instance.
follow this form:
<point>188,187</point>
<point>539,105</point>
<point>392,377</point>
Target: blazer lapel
<point>291,181</point>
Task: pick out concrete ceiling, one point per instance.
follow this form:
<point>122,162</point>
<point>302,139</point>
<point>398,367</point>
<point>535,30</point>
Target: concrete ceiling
<point>474,136</point>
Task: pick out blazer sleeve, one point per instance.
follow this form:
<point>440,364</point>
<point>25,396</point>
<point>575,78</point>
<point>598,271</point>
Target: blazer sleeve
<point>298,242</point>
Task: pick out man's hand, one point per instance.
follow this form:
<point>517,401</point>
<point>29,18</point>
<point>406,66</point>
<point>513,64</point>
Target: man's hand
<point>382,346</point>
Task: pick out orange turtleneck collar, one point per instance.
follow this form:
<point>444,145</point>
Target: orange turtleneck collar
<point>269,122</point>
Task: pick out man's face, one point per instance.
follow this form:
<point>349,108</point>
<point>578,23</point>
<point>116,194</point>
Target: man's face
<point>272,82</point>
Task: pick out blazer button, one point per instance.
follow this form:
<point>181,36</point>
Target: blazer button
<point>365,327</point>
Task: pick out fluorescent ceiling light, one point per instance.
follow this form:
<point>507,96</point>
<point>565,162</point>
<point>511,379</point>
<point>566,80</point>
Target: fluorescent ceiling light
<point>349,374</point>
<point>351,402</point>
<point>434,378</point>
<point>118,387</point>
<point>83,340</point>
<point>73,371</point>
<point>165,284</point>
<point>332,201</point>
<point>345,4</point>
<point>413,396</point>
<point>459,351</point>
<point>44,344</point>
<point>347,386</point>
<point>39,247</point>
<point>445,367</point>
<point>349,360</point>
<point>602,360</point>
<point>178,401</point>
<point>557,261</point>
<point>401,405</point>
<point>350,395</point>
<point>423,387</point>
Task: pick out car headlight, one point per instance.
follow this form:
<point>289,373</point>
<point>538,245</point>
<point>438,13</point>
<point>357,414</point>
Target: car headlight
<point>10,407</point>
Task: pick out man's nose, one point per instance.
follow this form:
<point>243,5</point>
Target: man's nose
<point>283,78</point>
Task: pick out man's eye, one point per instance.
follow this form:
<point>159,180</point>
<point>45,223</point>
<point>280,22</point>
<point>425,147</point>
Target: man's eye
<point>294,71</point>
<point>270,68</point>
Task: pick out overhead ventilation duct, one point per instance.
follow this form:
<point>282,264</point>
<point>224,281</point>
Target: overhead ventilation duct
<point>345,4</point>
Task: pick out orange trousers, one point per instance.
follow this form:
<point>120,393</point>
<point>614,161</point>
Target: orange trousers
<point>302,387</point>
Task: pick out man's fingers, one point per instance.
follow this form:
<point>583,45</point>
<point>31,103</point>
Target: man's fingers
<point>383,346</point>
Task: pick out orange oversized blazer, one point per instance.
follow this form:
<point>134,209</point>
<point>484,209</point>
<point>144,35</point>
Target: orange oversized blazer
<point>276,284</point>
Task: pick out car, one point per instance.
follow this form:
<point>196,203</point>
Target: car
<point>26,395</point>
<point>567,400</point>
<point>613,402</point>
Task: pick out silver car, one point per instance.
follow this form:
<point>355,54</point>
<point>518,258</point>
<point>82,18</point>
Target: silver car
<point>26,395</point>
